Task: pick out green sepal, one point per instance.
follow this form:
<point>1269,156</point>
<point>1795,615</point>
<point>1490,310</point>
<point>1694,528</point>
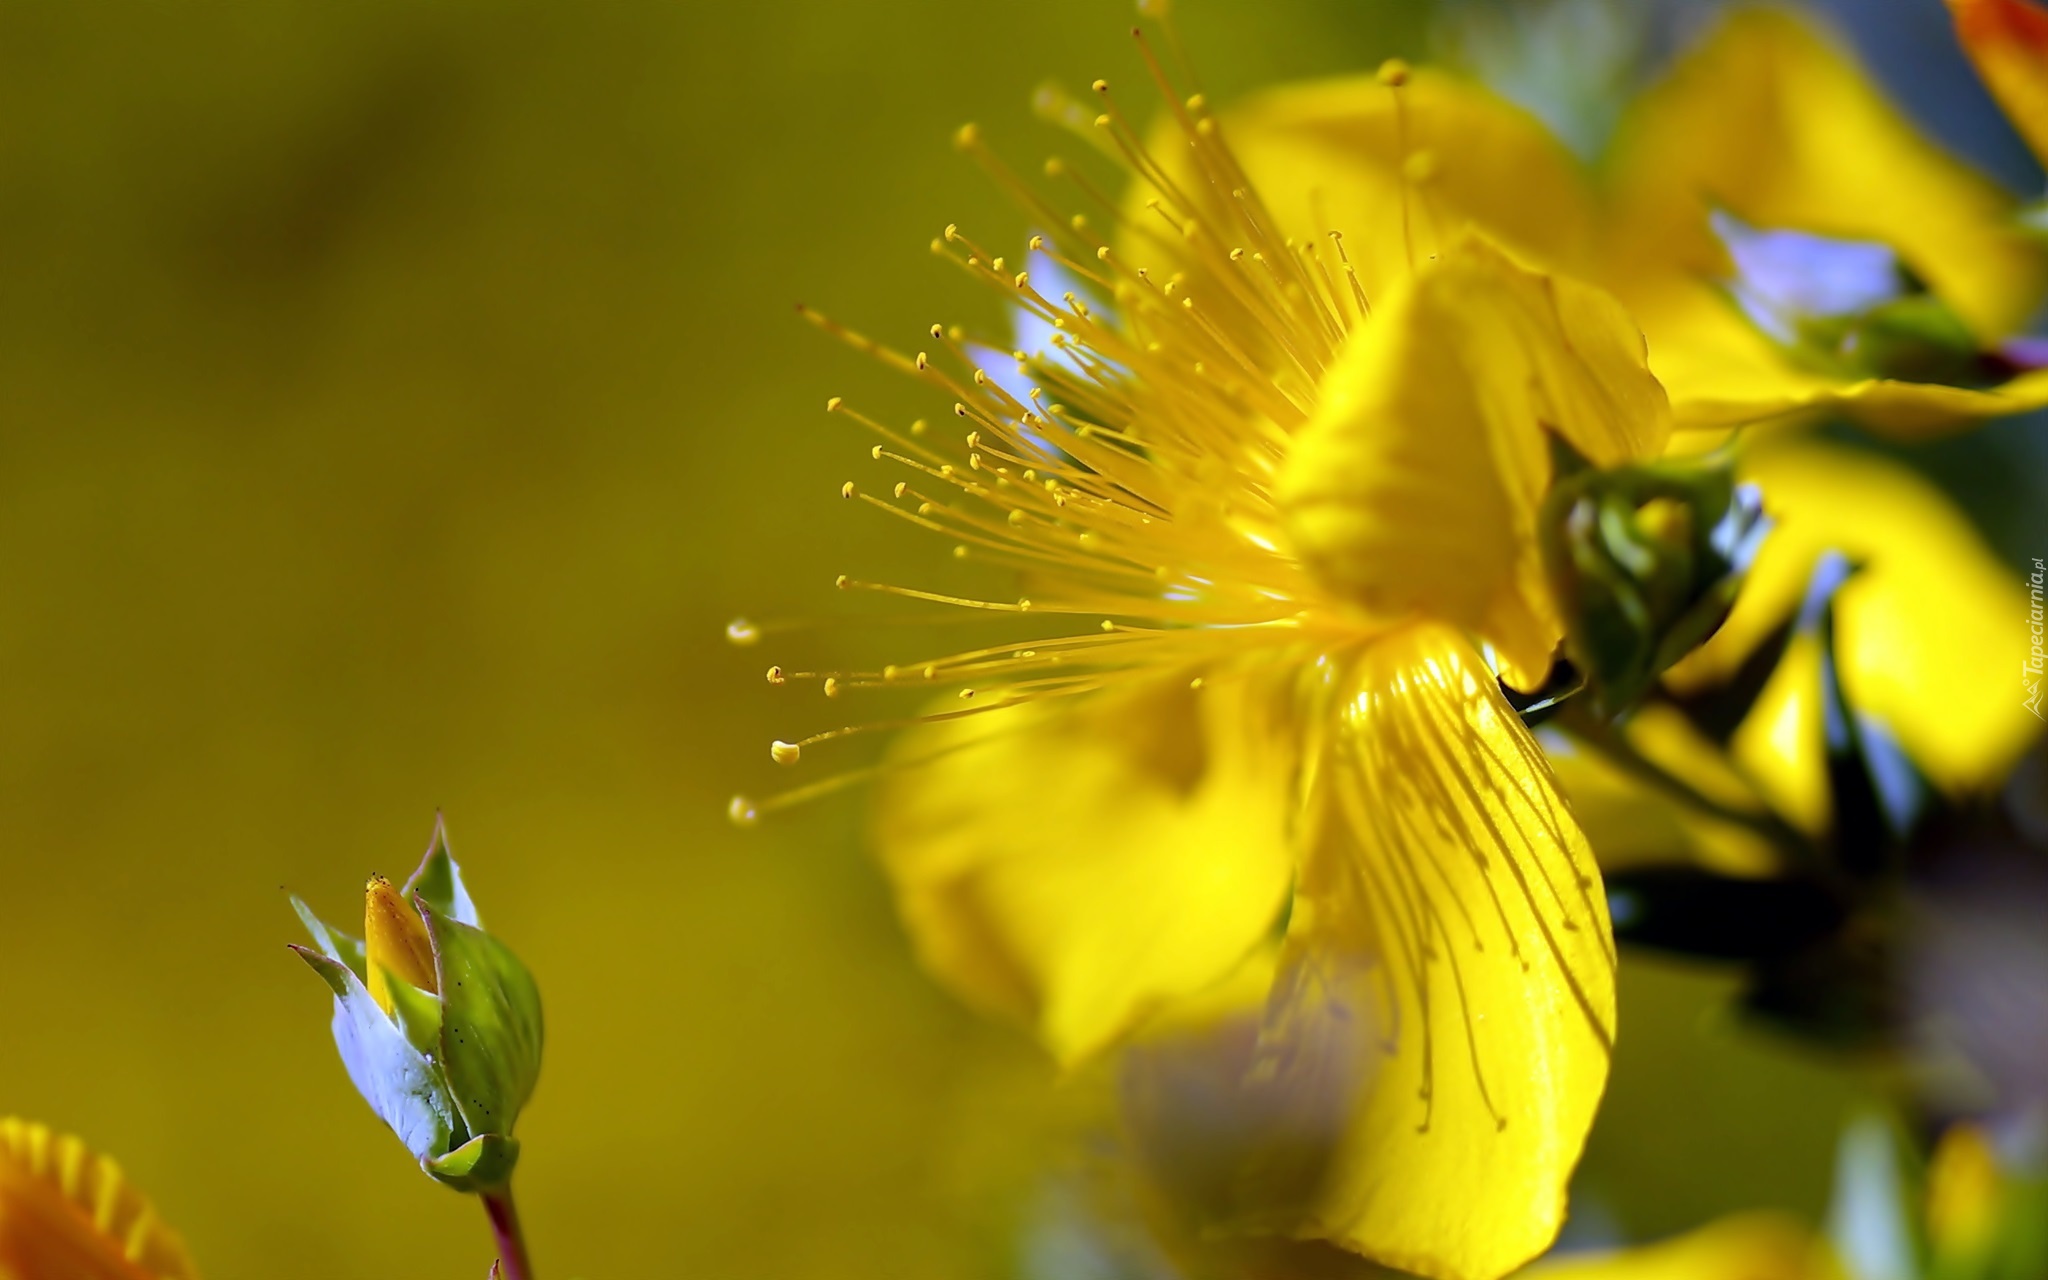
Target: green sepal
<point>332,942</point>
<point>418,1014</point>
<point>1645,562</point>
<point>439,880</point>
<point>484,1163</point>
<point>491,1029</point>
<point>401,1085</point>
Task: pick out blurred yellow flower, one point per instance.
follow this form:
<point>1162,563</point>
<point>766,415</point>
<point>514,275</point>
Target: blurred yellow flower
<point>1276,508</point>
<point>1786,239</point>
<point>66,1213</point>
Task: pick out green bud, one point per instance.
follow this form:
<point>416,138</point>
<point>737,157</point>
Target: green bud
<point>1644,562</point>
<point>438,1023</point>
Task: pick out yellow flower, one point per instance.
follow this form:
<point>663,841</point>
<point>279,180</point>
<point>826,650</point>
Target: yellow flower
<point>1274,511</point>
<point>2008,40</point>
<point>66,1213</point>
<point>1925,631</point>
<point>1768,125</point>
<point>1785,238</point>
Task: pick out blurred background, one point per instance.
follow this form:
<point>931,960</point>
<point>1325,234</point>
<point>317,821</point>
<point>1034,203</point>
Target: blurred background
<point>397,400</point>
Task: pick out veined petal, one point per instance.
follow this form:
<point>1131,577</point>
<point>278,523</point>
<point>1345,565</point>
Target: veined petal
<point>67,1211</point>
<point>1750,1246</point>
<point>1415,488</point>
<point>1932,631</point>
<point>2008,40</point>
<point>1404,172</point>
<point>1449,927</point>
<point>1076,865</point>
<point>1767,120</point>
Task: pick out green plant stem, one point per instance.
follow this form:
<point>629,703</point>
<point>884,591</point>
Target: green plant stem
<point>513,1263</point>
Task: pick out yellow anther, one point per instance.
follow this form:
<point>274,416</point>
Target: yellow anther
<point>775,676</point>
<point>784,752</point>
<point>1393,73</point>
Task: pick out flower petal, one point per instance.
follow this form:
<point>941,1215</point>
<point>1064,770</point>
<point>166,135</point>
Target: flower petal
<point>1076,865</point>
<point>1415,488</point>
<point>1767,120</point>
<point>1404,172</point>
<point>1448,924</point>
<point>2008,40</point>
<point>1933,630</point>
<point>1750,1246</point>
<point>1754,383</point>
<point>67,1211</point>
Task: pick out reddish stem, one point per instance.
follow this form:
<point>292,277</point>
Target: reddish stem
<point>512,1260</point>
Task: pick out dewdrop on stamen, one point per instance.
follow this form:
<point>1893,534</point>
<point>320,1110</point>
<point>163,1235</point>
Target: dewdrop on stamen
<point>742,812</point>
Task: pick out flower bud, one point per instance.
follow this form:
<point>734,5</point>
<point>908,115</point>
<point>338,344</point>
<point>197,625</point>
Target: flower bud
<point>438,1023</point>
<point>1644,562</point>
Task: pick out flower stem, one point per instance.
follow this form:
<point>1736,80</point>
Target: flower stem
<point>504,1215</point>
<point>1590,731</point>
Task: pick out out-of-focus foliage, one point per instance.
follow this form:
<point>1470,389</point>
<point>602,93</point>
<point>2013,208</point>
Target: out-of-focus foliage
<point>400,398</point>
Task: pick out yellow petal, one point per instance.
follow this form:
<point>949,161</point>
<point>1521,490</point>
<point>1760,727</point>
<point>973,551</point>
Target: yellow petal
<point>67,1212</point>
<point>1414,489</point>
<point>2008,40</point>
<point>1751,1246</point>
<point>1757,385</point>
<point>1767,120</point>
<point>1449,931</point>
<point>1404,172</point>
<point>1077,865</point>
<point>1933,633</point>
<point>1966,1190</point>
<point>395,942</point>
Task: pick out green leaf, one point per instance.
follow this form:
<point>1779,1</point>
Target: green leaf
<point>481,1164</point>
<point>439,880</point>
<point>491,1027</point>
<point>332,942</point>
<point>398,1082</point>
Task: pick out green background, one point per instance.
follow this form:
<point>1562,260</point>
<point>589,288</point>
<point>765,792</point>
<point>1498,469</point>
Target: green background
<point>399,399</point>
